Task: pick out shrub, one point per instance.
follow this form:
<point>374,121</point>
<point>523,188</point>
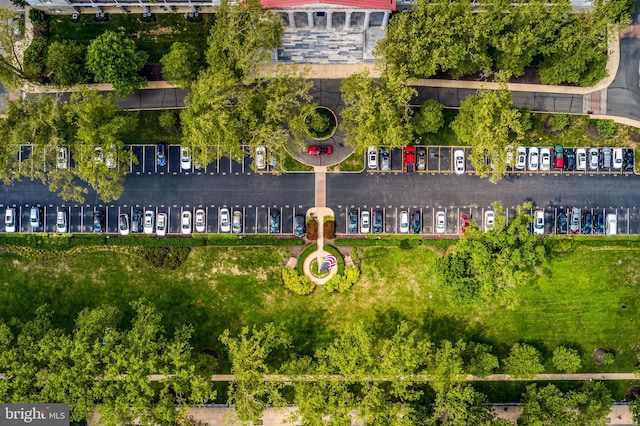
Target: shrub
<point>299,284</point>
<point>343,282</point>
<point>558,122</point>
<point>166,257</point>
<point>608,358</point>
<point>168,121</point>
<point>606,128</point>
<point>524,361</point>
<point>566,360</point>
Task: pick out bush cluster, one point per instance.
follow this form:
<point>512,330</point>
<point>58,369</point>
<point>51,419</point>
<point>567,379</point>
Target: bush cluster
<point>606,128</point>
<point>34,54</point>
<point>166,257</point>
<point>343,282</point>
<point>299,284</point>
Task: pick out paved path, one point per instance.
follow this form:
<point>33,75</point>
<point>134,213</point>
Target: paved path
<point>319,212</point>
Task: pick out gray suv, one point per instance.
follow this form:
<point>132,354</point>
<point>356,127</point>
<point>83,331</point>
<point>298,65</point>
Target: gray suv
<point>384,159</point>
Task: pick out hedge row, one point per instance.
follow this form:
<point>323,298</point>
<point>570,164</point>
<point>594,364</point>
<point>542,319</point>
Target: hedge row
<point>379,241</point>
<point>64,242</point>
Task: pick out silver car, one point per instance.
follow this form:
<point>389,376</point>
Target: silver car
<point>365,222</point>
<point>148,222</point>
<point>489,220</point>
<point>237,222</point>
<point>10,220</point>
<point>61,222</point>
<point>458,156</point>
<point>161,225</point>
<point>404,222</point>
<point>593,158</point>
<point>521,158</point>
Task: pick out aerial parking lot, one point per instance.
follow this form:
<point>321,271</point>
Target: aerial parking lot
<point>543,160</point>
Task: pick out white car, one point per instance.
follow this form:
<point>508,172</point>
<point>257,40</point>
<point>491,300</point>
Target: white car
<point>617,158</point>
<point>612,224</point>
<point>185,158</point>
<point>161,225</point>
<point>225,221</point>
<point>458,160</point>
<point>261,157</point>
<point>10,220</point>
<point>404,222</point>
<point>521,158</point>
<point>441,222</point>
<point>365,222</point>
<point>148,222</point>
<point>186,222</point>
<point>237,222</point>
<point>62,157</point>
<point>61,222</point>
<point>372,157</point>
<point>123,224</point>
<point>98,157</point>
<point>594,158</point>
<point>545,159</point>
<point>534,158</point>
<point>200,221</point>
<point>581,159</point>
<point>538,222</point>
<point>489,220</point>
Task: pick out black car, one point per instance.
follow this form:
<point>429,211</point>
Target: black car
<point>136,221</point>
<point>416,223</point>
<point>274,224</point>
<point>598,223</point>
<point>377,222</point>
<point>587,224</point>
<point>353,221</point>
<point>570,159</point>
<point>299,226</point>
<point>563,223</point>
<point>98,222</point>
<point>628,159</point>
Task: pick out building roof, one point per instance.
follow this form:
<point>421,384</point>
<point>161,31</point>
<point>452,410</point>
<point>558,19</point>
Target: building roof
<point>365,4</point>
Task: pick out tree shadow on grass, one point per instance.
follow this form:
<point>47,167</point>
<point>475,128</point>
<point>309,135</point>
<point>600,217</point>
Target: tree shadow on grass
<point>447,327</point>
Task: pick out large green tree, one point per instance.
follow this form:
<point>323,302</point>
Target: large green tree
<point>524,361</point>
<point>181,64</point>
<point>488,123</point>
<point>249,354</point>
<point>66,63</point>
<point>486,266</point>
<point>376,111</point>
<point>113,58</point>
<point>548,405</point>
<point>100,156</point>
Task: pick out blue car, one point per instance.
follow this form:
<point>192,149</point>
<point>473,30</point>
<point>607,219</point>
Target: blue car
<point>162,157</point>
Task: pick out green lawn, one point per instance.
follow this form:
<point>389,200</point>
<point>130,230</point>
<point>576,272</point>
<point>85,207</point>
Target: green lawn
<point>575,301</point>
<point>154,38</point>
<point>149,131</point>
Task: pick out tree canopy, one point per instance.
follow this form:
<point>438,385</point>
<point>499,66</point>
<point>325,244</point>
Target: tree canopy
<point>377,111</point>
<point>113,58</point>
<point>485,266</point>
<point>488,123</point>
<point>89,121</point>
<point>50,365</point>
<point>66,63</point>
<point>504,37</point>
<point>231,108</point>
<point>181,64</point>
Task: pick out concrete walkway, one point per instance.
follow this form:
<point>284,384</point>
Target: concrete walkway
<point>319,212</point>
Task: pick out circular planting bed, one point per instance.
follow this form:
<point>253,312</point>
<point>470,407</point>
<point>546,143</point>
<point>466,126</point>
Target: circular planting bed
<point>314,270</point>
<point>598,356</point>
<point>322,123</point>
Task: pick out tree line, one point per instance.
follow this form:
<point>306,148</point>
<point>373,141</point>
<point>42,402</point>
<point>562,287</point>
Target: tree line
<point>100,365</point>
<point>503,37</point>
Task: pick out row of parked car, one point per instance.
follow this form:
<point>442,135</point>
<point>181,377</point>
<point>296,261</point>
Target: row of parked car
<point>151,223</point>
<point>534,159</point>
<point>409,222</point>
<point>587,223</point>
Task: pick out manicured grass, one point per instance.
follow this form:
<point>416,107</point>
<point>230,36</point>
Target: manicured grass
<point>293,165</point>
<point>353,163</point>
<point>576,300</point>
<point>154,38</point>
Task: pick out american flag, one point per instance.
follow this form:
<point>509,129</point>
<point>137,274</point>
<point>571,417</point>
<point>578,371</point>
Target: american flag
<point>329,262</point>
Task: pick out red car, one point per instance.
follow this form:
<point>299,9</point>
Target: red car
<point>465,221</point>
<point>409,159</point>
<point>319,150</point>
